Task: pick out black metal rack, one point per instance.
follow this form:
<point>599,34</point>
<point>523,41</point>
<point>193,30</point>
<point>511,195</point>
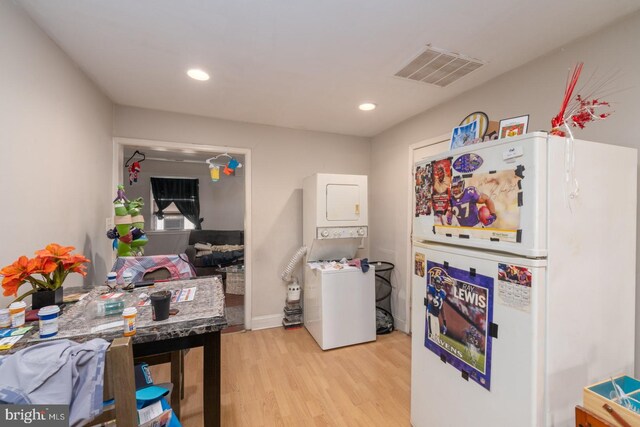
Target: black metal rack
<point>384,315</point>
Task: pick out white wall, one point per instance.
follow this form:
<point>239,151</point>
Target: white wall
<point>221,203</point>
<point>536,89</point>
<point>280,159</point>
<point>55,129</point>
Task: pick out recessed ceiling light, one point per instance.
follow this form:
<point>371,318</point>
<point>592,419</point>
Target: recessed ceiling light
<point>198,74</point>
<point>367,106</point>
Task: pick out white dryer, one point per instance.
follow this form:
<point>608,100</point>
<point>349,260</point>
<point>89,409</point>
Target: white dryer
<point>339,305</point>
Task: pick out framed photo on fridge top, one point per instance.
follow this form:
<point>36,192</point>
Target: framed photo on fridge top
<point>514,126</point>
<point>464,135</point>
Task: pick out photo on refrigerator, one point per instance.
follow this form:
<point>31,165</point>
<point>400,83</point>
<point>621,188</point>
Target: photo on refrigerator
<point>423,189</point>
<point>484,206</point>
<point>459,312</point>
<point>441,193</point>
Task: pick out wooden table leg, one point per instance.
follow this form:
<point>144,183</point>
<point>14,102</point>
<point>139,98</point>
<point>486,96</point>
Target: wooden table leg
<point>176,379</point>
<point>211,380</point>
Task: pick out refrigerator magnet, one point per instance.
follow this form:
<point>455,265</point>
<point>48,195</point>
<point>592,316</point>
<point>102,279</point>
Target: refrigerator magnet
<point>419,264</point>
<point>514,287</point>
<point>468,163</point>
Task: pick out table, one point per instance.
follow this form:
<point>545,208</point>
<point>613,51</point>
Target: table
<point>198,323</point>
<point>232,279</point>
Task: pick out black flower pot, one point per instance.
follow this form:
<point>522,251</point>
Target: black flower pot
<point>44,298</point>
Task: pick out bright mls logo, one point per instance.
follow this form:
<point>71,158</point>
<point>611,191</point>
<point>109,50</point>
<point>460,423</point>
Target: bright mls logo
<point>34,415</point>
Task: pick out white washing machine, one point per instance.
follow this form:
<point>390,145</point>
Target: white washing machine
<point>339,304</point>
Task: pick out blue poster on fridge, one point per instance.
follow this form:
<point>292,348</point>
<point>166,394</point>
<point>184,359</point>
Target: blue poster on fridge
<point>459,312</point>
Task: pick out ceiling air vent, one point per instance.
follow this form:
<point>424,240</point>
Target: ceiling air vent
<point>438,67</point>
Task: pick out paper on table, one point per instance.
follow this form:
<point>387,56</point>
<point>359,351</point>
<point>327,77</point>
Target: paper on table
<point>110,325</point>
<point>184,295</point>
<point>78,296</point>
<point>187,294</point>
<point>8,342</point>
<point>14,331</point>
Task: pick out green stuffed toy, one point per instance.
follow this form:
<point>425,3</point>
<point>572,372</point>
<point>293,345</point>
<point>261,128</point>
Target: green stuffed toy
<point>128,235</point>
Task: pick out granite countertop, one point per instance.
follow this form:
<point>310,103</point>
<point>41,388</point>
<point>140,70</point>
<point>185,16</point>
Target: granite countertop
<point>204,314</point>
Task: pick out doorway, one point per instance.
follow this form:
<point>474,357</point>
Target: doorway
<point>225,207</point>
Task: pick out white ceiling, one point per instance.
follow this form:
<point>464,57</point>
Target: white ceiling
<point>303,64</point>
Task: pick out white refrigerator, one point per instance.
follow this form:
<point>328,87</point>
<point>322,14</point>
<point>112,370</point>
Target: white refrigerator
<point>523,288</point>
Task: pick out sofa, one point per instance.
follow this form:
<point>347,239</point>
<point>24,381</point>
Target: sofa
<point>209,262</point>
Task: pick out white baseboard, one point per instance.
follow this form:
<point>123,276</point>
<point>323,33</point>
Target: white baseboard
<point>400,325</point>
<point>266,322</point>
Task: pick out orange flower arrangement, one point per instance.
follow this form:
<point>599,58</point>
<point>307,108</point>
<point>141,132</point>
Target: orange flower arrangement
<point>53,264</point>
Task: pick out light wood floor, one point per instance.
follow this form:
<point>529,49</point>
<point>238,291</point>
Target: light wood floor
<point>278,377</point>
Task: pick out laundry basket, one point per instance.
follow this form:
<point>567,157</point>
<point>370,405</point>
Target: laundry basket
<point>384,316</point>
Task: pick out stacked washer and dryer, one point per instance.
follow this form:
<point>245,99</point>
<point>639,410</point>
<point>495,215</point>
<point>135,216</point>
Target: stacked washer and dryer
<point>339,300</point>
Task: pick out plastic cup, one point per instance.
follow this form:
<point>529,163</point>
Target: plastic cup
<point>127,280</point>
<point>5,318</point>
<point>48,319</point>
<point>160,302</point>
<point>129,316</point>
<point>17,313</point>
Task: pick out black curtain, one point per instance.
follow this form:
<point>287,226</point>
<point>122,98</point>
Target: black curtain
<point>185,193</point>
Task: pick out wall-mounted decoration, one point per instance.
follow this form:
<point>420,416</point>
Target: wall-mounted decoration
<point>458,317</point>
<point>514,126</point>
<point>464,135</point>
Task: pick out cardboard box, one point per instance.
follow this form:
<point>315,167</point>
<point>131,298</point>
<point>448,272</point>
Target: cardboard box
<point>600,398</point>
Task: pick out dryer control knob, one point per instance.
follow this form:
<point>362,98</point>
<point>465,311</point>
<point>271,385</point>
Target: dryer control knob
<point>360,231</point>
<point>325,233</point>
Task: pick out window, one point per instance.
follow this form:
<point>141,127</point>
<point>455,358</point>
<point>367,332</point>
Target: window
<point>175,203</point>
<point>173,219</point>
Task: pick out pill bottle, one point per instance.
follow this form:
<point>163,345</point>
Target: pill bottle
<point>129,316</point>
<point>17,313</point>
<point>5,318</point>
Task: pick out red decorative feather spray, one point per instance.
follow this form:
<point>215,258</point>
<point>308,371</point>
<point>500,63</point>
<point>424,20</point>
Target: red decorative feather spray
<point>559,120</point>
<point>576,112</point>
